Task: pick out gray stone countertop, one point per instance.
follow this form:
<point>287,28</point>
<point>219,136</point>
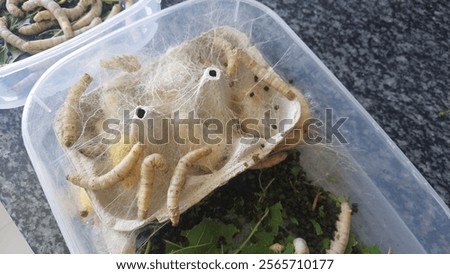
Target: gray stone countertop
<point>392,55</point>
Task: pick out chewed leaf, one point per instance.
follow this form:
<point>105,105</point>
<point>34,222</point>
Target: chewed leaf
<point>209,231</point>
<point>206,237</point>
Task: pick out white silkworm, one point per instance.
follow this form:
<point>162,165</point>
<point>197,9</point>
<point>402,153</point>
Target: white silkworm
<point>114,11</point>
<point>151,162</point>
<point>40,45</point>
<point>128,63</point>
<point>8,36</point>
<point>57,12</point>
<point>72,13</point>
<point>115,175</point>
<point>36,45</point>
<point>264,73</point>
<point>69,114</point>
<point>235,55</point>
<point>95,11</point>
<point>37,27</point>
<point>341,235</point>
<point>179,179</point>
<point>13,7</point>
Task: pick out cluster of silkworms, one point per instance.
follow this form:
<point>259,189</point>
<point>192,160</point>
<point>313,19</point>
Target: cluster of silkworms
<point>72,19</point>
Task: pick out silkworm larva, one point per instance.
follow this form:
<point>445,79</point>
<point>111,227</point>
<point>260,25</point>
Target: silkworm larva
<point>43,15</point>
<point>230,54</point>
<point>69,121</point>
<point>262,72</point>
<point>37,27</point>
<point>128,63</point>
<point>341,235</point>
<point>57,12</point>
<point>267,74</point>
<point>114,11</point>
<point>40,45</point>
<point>298,134</point>
<point>120,149</point>
<point>114,176</point>
<point>13,7</point>
<point>149,165</point>
<point>72,13</point>
<point>179,179</point>
<point>95,11</point>
<point>8,36</point>
<point>92,150</point>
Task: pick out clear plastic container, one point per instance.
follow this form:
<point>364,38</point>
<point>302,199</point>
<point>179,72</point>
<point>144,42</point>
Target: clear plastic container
<point>17,79</point>
<point>398,209</point>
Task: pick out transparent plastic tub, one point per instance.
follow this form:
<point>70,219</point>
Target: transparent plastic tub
<point>398,209</point>
<point>17,79</point>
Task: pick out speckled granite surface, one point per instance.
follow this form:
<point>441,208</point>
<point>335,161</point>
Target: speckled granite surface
<point>20,191</point>
<point>392,55</point>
